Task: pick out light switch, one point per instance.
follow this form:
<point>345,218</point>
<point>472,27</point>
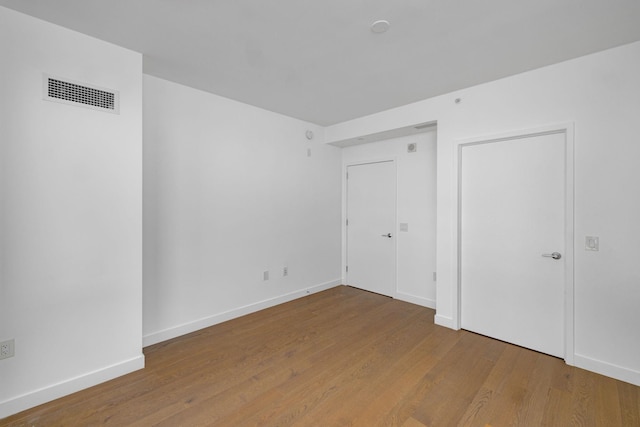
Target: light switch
<point>591,243</point>
<point>404,226</point>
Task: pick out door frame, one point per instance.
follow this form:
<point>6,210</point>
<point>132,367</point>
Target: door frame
<point>562,128</point>
<point>345,213</point>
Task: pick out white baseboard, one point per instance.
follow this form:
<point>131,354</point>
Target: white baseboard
<point>447,322</point>
<point>425,302</point>
<point>186,328</point>
<point>64,388</point>
<point>607,369</point>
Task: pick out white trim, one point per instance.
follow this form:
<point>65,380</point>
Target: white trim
<point>425,302</point>
<point>369,162</point>
<point>567,129</point>
<point>608,369</point>
<point>186,328</point>
<point>64,388</point>
<point>447,322</point>
<point>569,289</point>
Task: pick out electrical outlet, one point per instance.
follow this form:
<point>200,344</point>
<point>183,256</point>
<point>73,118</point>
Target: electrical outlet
<point>265,275</point>
<point>285,271</point>
<point>7,349</point>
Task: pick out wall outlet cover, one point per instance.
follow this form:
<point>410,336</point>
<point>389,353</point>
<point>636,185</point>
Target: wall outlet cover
<point>591,243</point>
<point>7,349</point>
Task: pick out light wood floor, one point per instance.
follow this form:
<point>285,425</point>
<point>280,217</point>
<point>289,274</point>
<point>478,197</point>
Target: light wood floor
<point>344,357</point>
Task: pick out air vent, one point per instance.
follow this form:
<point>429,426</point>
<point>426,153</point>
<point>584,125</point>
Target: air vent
<point>80,94</point>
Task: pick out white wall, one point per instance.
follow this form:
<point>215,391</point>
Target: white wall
<point>416,206</point>
<point>229,193</point>
<point>599,94</point>
<point>70,218</point>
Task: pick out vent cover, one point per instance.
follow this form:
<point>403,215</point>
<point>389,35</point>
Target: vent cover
<point>80,94</point>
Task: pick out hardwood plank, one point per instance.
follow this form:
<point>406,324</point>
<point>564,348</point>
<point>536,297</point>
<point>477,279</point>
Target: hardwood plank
<point>582,402</point>
<point>358,385</point>
<point>630,404</point>
<point>412,422</point>
<point>481,405</point>
<point>344,357</point>
<point>341,363</point>
<point>537,394</point>
<point>509,396</point>
<point>606,399</point>
<point>299,360</point>
<point>455,381</point>
<point>399,395</point>
<point>556,411</point>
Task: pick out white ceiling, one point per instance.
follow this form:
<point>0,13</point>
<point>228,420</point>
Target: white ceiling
<point>319,61</point>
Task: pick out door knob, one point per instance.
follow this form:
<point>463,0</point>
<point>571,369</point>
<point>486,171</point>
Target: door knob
<point>386,235</point>
<point>555,255</point>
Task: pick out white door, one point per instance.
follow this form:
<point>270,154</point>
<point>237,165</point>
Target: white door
<point>371,208</point>
<point>512,207</point>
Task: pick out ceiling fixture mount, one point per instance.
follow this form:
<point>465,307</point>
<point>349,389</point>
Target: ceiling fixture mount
<point>379,27</point>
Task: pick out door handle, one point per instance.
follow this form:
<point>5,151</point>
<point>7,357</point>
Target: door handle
<point>386,235</point>
<point>555,255</point>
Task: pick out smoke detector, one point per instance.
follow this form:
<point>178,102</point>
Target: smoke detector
<point>380,26</point>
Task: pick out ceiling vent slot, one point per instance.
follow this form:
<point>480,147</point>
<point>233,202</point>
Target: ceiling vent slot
<point>83,95</point>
